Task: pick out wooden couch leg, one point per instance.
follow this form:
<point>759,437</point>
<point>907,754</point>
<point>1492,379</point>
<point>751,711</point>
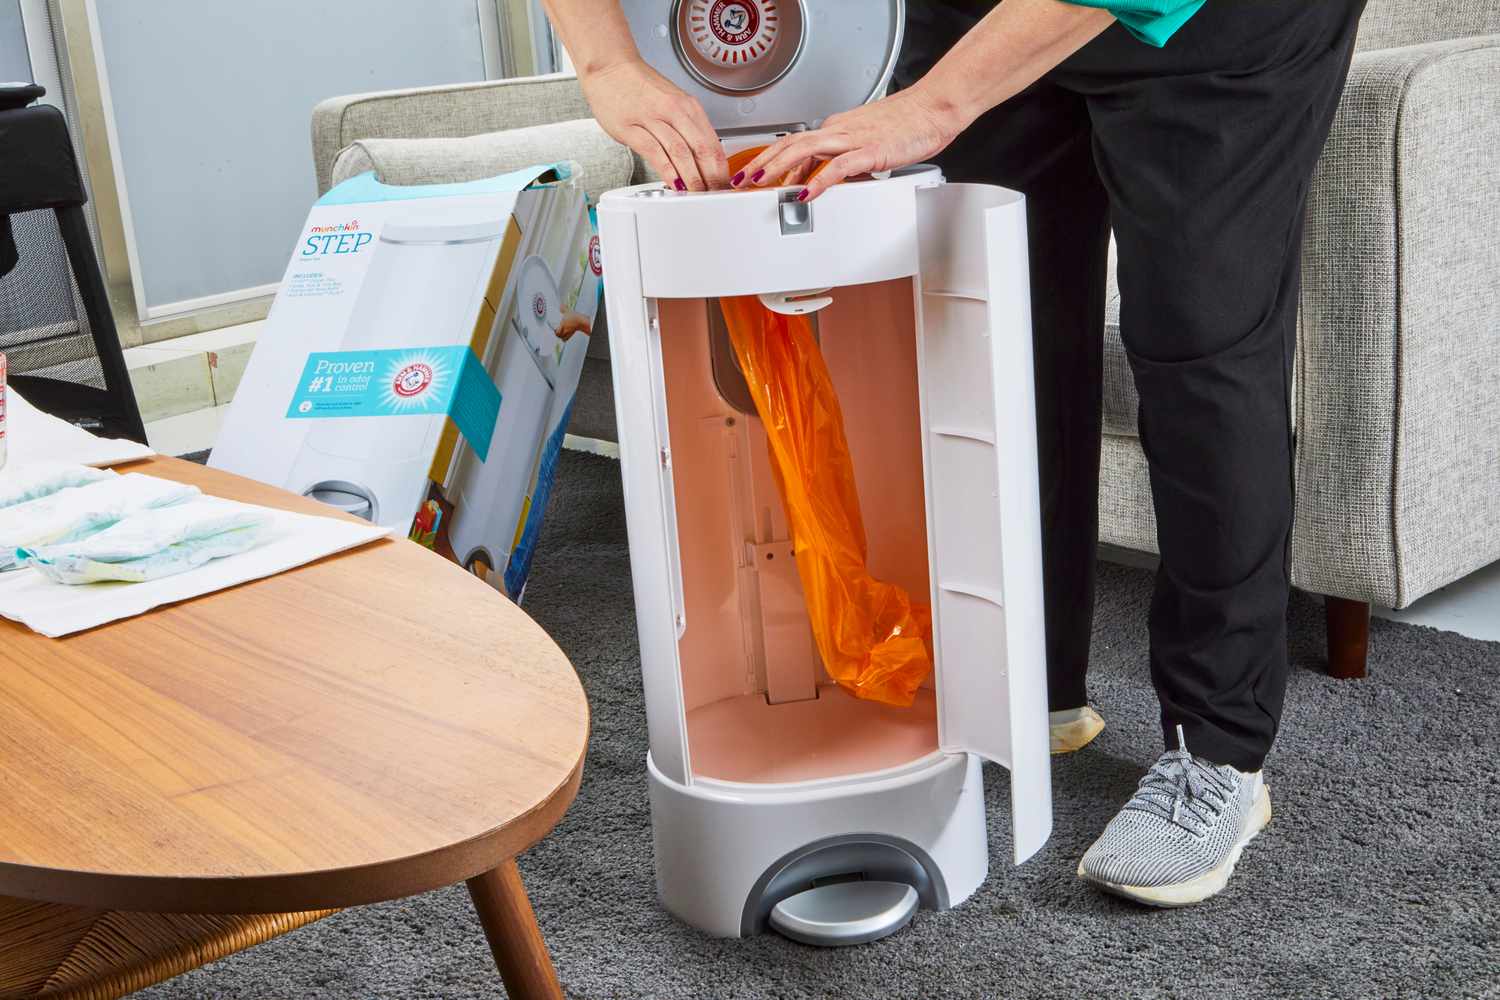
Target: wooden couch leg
<point>1348,637</point>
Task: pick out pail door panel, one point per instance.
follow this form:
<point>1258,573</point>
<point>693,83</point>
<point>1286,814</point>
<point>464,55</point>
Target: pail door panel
<point>646,476</point>
<point>984,522</point>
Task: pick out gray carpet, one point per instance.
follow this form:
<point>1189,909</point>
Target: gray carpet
<point>1377,878</point>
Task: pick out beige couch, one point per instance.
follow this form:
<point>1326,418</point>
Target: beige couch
<point>1397,407</point>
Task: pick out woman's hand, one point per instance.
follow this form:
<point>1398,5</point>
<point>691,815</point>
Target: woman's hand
<point>897,131</point>
<point>639,107</point>
<point>1007,51</point>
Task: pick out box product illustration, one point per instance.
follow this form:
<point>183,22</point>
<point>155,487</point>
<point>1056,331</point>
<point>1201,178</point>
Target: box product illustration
<point>419,364</point>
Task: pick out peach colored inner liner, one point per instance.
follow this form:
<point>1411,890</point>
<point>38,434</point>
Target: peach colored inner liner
<point>745,739</point>
<point>725,498</point>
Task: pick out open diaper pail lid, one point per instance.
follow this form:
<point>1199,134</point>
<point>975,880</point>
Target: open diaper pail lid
<point>771,65</point>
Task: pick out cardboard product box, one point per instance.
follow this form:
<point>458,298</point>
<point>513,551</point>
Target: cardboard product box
<point>419,364</point>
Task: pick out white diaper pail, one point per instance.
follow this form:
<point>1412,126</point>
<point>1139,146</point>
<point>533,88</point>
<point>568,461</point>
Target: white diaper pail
<point>419,291</point>
<point>778,800</point>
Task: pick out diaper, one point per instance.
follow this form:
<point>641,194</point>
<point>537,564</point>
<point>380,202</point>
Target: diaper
<point>40,479</point>
<point>77,512</point>
<point>153,544</point>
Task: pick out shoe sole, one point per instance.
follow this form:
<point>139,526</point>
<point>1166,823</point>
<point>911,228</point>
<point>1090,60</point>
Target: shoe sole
<point>1205,886</point>
<point>1075,735</point>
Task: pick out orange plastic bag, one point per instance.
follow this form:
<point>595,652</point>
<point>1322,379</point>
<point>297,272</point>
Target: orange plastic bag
<point>738,160</point>
<point>873,640</point>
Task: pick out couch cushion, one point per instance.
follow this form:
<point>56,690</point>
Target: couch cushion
<point>1126,515</point>
<point>602,163</point>
<point>1390,23</point>
<point>1120,399</point>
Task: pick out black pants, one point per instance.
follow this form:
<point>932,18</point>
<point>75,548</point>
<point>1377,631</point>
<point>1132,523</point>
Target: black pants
<point>1198,156</point>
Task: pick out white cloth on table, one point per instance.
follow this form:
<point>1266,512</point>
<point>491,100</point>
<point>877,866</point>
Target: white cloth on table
<point>56,609</point>
<point>34,436</point>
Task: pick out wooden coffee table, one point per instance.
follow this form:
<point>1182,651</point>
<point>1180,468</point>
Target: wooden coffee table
<point>195,780</point>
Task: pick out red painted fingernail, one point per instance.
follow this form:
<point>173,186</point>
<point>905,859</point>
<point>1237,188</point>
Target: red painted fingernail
<point>802,195</point>
<point>737,179</point>
<point>755,178</point>
<point>679,184</point>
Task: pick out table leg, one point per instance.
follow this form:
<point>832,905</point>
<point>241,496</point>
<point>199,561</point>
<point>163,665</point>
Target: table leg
<point>515,939</point>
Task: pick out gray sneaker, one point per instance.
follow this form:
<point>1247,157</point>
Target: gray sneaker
<point>1177,840</point>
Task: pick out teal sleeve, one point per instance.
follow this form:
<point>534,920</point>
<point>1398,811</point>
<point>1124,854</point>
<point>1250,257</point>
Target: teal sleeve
<point>1152,21</point>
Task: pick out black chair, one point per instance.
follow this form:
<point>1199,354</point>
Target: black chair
<point>56,330</point>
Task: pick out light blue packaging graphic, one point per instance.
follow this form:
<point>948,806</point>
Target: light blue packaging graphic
<point>416,381</point>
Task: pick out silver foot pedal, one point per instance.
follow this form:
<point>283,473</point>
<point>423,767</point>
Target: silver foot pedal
<point>347,497</point>
<point>845,913</point>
